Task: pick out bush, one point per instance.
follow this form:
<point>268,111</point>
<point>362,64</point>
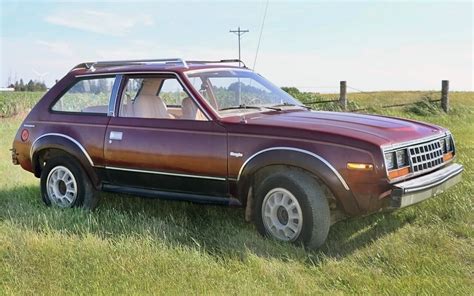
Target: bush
<point>424,107</point>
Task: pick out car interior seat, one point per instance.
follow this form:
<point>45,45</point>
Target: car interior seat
<point>148,104</point>
<point>191,111</point>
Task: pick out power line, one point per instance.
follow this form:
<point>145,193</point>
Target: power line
<point>260,37</point>
<point>239,33</point>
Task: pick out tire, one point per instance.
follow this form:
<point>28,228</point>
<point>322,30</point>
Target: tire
<point>299,195</point>
<point>69,185</point>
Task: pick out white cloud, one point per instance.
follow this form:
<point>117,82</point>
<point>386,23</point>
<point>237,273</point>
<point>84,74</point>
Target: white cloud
<point>99,22</point>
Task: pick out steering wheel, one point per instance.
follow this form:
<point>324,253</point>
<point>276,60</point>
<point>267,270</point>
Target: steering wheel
<point>253,101</point>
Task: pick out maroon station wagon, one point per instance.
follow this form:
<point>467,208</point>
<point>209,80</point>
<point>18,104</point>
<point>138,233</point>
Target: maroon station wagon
<point>210,132</point>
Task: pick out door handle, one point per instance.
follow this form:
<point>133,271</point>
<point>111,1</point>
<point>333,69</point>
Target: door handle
<point>115,135</point>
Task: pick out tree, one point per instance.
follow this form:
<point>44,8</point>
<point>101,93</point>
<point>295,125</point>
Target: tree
<point>30,86</point>
<point>40,86</point>
<point>292,91</point>
<point>21,85</point>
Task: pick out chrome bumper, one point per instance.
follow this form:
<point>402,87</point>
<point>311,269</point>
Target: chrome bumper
<point>416,190</point>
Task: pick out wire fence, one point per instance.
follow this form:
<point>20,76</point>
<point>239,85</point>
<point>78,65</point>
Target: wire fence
<point>361,100</point>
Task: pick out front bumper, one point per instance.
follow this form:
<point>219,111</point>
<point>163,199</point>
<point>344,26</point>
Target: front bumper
<point>416,190</point>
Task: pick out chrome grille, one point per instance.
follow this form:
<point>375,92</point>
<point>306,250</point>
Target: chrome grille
<point>425,156</point>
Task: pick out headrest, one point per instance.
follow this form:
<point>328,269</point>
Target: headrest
<point>150,86</point>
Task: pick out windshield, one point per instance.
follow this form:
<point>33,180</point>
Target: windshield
<point>237,90</point>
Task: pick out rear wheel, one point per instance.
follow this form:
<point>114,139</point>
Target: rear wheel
<point>65,184</point>
<point>291,206</point>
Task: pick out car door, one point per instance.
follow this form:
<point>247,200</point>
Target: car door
<point>159,139</point>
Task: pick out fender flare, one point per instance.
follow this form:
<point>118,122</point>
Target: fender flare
<point>67,144</point>
<point>300,158</point>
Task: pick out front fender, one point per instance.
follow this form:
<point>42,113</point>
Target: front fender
<point>305,160</point>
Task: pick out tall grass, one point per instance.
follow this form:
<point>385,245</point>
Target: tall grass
<point>13,103</point>
<point>133,245</point>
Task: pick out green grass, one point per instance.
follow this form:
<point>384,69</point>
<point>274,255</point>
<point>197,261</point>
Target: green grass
<point>143,246</point>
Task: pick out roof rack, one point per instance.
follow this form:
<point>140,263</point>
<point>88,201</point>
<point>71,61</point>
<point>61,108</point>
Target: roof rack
<point>93,65</point>
<point>218,61</point>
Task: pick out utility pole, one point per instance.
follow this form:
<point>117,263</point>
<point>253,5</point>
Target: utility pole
<point>239,33</point>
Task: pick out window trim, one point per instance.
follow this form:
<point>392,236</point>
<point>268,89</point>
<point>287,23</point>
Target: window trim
<point>125,76</point>
<point>76,80</point>
<point>199,104</point>
<point>114,95</point>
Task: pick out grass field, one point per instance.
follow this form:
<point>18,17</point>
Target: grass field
<point>12,103</point>
<point>143,246</point>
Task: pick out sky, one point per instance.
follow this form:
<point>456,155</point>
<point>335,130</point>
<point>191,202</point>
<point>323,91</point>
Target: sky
<point>312,45</point>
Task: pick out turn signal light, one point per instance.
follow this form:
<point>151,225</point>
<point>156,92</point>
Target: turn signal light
<point>360,166</point>
<point>447,156</point>
<point>398,173</point>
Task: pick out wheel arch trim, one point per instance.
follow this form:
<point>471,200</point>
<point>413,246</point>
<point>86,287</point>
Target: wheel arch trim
<point>320,158</point>
<point>83,150</point>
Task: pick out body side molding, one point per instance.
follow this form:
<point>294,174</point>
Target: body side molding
<point>166,173</point>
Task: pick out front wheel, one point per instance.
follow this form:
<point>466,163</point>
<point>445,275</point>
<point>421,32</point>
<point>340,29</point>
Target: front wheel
<point>291,206</point>
<point>65,184</point>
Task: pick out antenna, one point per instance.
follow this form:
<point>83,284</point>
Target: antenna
<point>239,34</point>
<point>260,37</point>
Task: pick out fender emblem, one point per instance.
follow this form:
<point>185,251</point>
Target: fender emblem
<point>236,154</point>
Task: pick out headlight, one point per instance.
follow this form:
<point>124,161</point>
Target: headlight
<point>390,160</point>
<point>448,144</point>
<point>402,158</point>
<point>442,143</point>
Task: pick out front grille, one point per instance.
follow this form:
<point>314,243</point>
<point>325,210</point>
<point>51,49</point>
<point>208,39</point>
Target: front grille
<point>425,156</point>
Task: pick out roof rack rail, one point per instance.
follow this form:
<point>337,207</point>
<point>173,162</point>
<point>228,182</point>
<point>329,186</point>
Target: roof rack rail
<point>218,61</point>
<point>86,65</point>
<point>92,65</point>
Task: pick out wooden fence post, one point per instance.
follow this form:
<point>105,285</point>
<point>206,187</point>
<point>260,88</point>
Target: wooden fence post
<point>342,95</point>
<point>444,95</point>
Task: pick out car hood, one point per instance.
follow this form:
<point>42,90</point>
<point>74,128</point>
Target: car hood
<point>380,130</point>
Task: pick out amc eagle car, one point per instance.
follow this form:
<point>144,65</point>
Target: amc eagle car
<point>210,132</point>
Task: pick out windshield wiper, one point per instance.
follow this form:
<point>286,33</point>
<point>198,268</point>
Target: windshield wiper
<point>274,107</point>
<point>287,105</point>
<point>242,106</point>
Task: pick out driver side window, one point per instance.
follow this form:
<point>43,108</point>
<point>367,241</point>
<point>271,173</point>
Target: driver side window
<point>158,97</point>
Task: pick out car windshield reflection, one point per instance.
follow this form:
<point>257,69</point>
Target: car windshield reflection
<point>239,90</point>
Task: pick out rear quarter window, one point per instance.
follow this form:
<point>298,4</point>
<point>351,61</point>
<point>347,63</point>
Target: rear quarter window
<point>86,96</point>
